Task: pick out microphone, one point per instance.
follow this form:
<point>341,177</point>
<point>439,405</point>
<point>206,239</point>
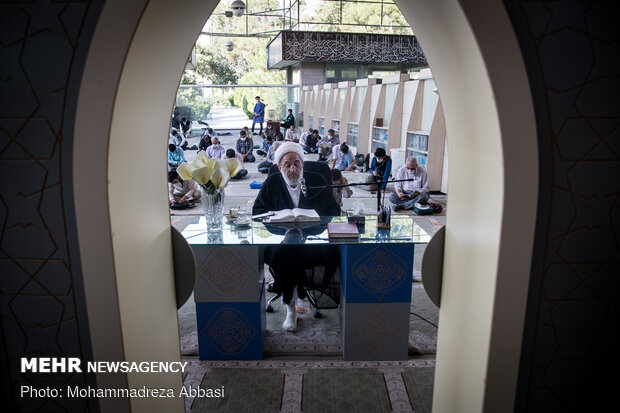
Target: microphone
<point>304,189</point>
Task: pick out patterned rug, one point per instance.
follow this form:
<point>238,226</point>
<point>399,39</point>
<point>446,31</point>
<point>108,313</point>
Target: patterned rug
<point>320,386</point>
<point>312,338</point>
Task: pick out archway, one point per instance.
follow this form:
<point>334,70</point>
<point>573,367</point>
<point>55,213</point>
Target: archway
<point>127,91</point>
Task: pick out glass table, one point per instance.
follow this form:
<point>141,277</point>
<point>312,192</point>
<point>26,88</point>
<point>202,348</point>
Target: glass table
<point>376,275</point>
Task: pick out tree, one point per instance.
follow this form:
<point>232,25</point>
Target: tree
<point>274,98</point>
<point>361,14</point>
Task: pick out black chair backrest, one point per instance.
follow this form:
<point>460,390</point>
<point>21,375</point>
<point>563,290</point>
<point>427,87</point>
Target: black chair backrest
<point>312,166</point>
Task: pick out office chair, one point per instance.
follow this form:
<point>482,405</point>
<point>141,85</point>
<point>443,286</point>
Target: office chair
<point>312,166</point>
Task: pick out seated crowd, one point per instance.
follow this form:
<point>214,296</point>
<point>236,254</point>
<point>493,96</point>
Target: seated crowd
<point>407,194</point>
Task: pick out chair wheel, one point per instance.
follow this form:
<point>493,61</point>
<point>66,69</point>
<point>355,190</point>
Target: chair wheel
<point>317,314</point>
<point>269,308</point>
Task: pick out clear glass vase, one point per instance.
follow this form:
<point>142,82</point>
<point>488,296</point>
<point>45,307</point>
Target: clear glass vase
<point>213,207</point>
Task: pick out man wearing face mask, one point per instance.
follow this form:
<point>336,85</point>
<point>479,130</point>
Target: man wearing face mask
<point>259,115</point>
<point>245,146</point>
<point>215,150</point>
<point>283,191</point>
<point>180,191</point>
<point>380,169</point>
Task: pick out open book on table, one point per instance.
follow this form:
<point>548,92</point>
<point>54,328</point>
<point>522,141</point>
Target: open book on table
<point>294,215</point>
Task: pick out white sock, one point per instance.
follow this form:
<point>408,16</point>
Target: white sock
<point>290,323</point>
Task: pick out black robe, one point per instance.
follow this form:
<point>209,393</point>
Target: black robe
<point>290,262</point>
<point>274,196</point>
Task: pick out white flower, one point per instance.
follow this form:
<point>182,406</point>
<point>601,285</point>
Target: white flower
<point>210,173</point>
<point>220,178</point>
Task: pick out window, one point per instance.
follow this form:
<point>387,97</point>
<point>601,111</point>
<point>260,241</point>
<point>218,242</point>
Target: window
<point>417,146</point>
<point>352,132</point>
<point>361,93</point>
<point>390,99</point>
<point>326,94</point>
<point>341,95</point>
<point>379,137</point>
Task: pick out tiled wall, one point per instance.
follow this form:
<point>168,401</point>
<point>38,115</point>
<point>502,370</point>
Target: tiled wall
<point>570,354</point>
<point>43,47</point>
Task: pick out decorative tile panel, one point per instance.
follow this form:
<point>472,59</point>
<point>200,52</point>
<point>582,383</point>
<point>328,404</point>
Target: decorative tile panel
<point>228,273</point>
<point>43,45</point>
<point>230,331</point>
<point>377,273</point>
<point>571,332</point>
<point>290,46</point>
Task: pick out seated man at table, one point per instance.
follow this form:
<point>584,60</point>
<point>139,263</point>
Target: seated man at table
<point>289,121</point>
<point>409,193</point>
<point>287,190</point>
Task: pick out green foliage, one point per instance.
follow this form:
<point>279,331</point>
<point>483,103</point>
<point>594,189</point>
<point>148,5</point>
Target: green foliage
<point>200,109</point>
<point>213,66</point>
<point>359,14</point>
<point>191,98</point>
<point>274,98</point>
<point>245,107</point>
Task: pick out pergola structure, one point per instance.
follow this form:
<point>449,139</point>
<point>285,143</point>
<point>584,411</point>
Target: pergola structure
<point>298,15</point>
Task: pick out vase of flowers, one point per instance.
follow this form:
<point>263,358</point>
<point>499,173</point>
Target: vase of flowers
<point>212,175</point>
<point>213,207</point>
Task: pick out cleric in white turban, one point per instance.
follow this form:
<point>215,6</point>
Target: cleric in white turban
<point>284,190</point>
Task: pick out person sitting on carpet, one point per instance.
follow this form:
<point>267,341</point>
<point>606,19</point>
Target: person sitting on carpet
<point>267,142</point>
<point>175,156</point>
<point>264,166</point>
<point>292,135</point>
<point>273,131</point>
<point>411,192</point>
<point>344,160</point>
<point>215,150</point>
<point>338,179</point>
<point>312,141</point>
<point>230,153</point>
<point>205,142</point>
<point>180,191</point>
<point>380,169</point>
<point>304,137</point>
<point>186,127</point>
<point>245,146</point>
<point>177,139</point>
<point>326,144</point>
<point>284,191</point>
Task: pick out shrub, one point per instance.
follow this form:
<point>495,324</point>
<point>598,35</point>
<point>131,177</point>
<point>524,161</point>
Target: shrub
<point>244,106</point>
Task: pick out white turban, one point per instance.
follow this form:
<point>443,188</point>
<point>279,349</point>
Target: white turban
<point>285,148</point>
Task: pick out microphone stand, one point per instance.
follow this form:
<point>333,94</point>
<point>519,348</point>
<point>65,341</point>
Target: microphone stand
<point>378,183</point>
